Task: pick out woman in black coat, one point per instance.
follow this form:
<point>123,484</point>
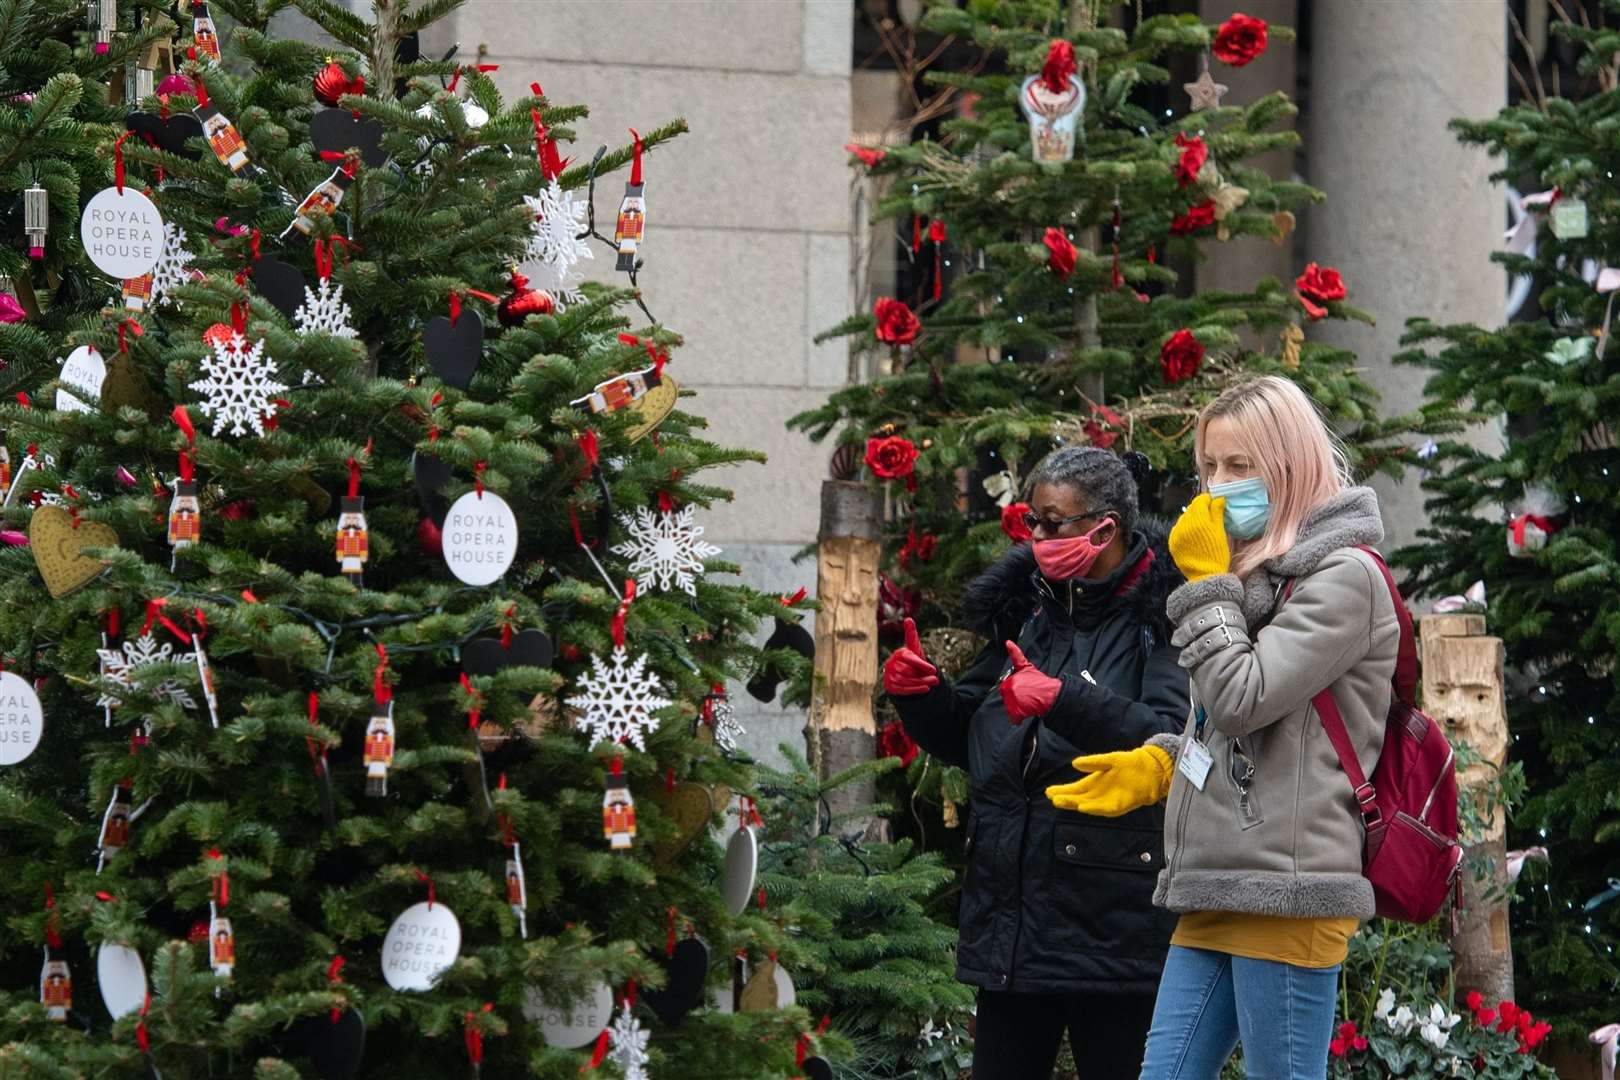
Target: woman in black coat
<point>1057,925</point>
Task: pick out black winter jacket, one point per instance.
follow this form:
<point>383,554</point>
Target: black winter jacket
<point>1056,901</point>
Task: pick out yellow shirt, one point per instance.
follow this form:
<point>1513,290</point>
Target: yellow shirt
<point>1309,943</point>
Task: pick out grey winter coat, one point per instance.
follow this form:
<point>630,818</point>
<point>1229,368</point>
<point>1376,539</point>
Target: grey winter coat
<point>1289,842</point>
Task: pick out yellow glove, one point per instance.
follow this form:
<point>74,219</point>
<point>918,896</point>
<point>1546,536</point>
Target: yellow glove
<point>1198,542</point>
<point>1118,783</point>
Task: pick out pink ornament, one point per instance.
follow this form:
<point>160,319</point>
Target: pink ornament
<point>176,83</point>
<point>10,310</point>
<point>14,538</point>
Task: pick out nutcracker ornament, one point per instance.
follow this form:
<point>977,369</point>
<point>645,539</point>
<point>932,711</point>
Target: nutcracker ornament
<point>324,198</point>
<point>221,943</point>
<point>115,824</point>
<point>1053,102</point>
<point>352,546</point>
<point>379,749</point>
<point>632,215</point>
<point>55,987</point>
<point>185,516</point>
<point>138,291</point>
<point>618,809</point>
<point>517,890</point>
<point>203,34</point>
<point>223,138</point>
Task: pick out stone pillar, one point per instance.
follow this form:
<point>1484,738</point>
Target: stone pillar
<point>1410,218</point>
<point>1241,262</point>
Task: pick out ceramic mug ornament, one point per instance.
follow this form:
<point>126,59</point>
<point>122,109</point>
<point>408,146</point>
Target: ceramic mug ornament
<point>1053,117</point>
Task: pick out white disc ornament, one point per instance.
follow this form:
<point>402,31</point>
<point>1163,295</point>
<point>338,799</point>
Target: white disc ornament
<point>122,978</point>
<point>84,371</point>
<point>422,943</point>
<point>22,720</point>
<point>742,869</point>
<point>480,538</point>
<point>571,1028</point>
<point>122,232</point>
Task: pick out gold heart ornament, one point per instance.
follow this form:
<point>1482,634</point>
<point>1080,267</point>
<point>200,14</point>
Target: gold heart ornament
<point>59,549</point>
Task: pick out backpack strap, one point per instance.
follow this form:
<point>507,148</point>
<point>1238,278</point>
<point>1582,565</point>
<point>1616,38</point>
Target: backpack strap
<point>1406,663</point>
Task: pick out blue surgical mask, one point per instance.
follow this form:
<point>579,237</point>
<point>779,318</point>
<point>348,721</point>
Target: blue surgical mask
<point>1248,507</point>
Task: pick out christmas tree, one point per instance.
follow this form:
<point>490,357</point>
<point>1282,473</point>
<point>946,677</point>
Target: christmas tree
<point>1054,222</point>
<point>54,112</point>
<point>1536,518</point>
<point>365,661</point>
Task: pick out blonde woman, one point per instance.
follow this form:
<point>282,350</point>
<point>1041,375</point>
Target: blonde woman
<point>1263,841</point>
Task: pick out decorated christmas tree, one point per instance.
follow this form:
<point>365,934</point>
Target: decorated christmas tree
<point>1053,224</point>
<point>363,657</point>
<point>1535,519</point>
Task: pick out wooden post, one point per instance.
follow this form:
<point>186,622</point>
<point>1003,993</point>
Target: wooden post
<point>1463,689</point>
<point>843,726</point>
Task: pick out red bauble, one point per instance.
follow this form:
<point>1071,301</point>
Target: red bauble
<point>523,302</point>
<point>199,931</point>
<point>219,334</point>
<point>332,82</point>
<point>430,539</point>
<point>176,83</point>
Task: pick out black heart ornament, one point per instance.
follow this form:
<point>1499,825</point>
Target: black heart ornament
<point>336,1050</point>
<point>455,351</point>
<point>337,131</point>
<point>280,283</point>
<point>431,475</point>
<point>169,133</point>
<point>788,635</point>
<point>486,656</point>
<point>686,971</point>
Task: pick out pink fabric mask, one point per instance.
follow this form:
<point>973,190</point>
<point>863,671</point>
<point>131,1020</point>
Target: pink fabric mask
<point>1070,556</point>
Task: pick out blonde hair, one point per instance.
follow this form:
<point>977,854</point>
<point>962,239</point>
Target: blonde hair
<point>1302,463</point>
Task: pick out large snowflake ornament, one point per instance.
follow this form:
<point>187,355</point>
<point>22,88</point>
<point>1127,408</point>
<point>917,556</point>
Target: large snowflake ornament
<point>617,703</point>
<point>629,1040</point>
<point>173,265</point>
<point>559,219</point>
<point>120,666</point>
<point>665,550</point>
<point>563,285</point>
<point>241,385</point>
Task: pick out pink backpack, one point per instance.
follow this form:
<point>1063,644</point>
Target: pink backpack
<point>1409,808</point>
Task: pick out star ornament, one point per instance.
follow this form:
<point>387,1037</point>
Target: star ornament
<point>1205,92</point>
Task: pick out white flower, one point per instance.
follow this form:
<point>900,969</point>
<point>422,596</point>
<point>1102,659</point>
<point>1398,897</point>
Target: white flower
<point>1434,1036</point>
<point>1441,1019</point>
<point>1401,1022</point>
<point>1386,1005</point>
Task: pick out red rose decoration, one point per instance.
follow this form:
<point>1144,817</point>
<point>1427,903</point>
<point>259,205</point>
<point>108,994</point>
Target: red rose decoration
<point>1012,522</point>
<point>869,155</point>
<point>1180,357</point>
<point>1240,39</point>
<point>895,605</point>
<point>897,324</point>
<point>917,547</point>
<point>1060,252</point>
<point>893,741</point>
<point>1318,285</point>
<point>1193,155</point>
<point>892,458</point>
<point>1197,217</point>
<point>1098,435</point>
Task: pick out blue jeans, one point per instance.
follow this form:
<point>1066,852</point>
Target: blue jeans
<point>1208,1001</point>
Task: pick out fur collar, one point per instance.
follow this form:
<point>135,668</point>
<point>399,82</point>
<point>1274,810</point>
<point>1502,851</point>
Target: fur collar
<point>997,602</point>
<point>1346,520</point>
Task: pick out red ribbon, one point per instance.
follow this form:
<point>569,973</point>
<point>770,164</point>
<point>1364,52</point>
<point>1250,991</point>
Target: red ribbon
<point>118,162</point>
<point>789,601</point>
<point>573,520</point>
<point>587,446</point>
<point>665,503</point>
<point>659,357</point>
<point>354,479</point>
<point>478,699</point>
<point>635,170</point>
<point>748,813</point>
<point>936,233</point>
<point>455,306</point>
<point>624,609</point>
<point>1519,524</point>
<point>153,607</point>
<point>669,785</point>
<point>455,79</point>
<point>202,92</point>
<point>1117,278</point>
<point>545,147</point>
<point>478,477</point>
<point>323,259</point>
<point>316,750</point>
<point>127,324</point>
<point>669,940</point>
<point>239,314</point>
<point>599,1053</point>
<point>475,1038</point>
<point>221,879</point>
<point>379,688</point>
<point>506,627</point>
<point>432,896</point>
<point>253,239</point>
<point>1059,66</point>
<point>349,161</point>
<point>22,399</point>
<point>334,977</point>
<point>110,620</point>
<point>53,936</point>
<point>916,233</point>
<point>141,1038</point>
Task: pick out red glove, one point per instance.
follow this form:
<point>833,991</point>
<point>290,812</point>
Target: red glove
<point>907,673</point>
<point>1026,690</point>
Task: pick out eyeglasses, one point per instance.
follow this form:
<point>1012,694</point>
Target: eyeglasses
<point>1033,521</point>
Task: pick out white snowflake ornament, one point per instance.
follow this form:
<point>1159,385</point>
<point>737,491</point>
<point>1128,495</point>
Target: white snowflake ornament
<point>173,265</point>
<point>563,285</point>
<point>120,666</point>
<point>559,219</point>
<point>618,702</point>
<point>629,1041</point>
<point>325,311</point>
<point>240,384</point>
<point>667,550</point>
